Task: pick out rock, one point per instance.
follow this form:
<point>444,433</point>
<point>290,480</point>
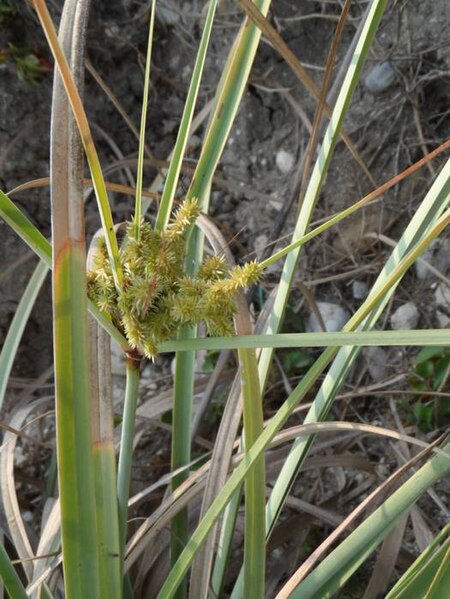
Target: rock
<point>405,317</point>
<point>436,255</point>
<point>27,516</point>
<point>380,78</point>
<point>441,259</point>
<point>422,271</point>
<point>284,161</point>
<point>169,14</point>
<point>261,242</point>
<point>359,290</point>
<point>376,358</point>
<point>442,297</point>
<point>333,315</point>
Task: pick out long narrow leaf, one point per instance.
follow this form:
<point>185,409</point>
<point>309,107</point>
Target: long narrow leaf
<point>319,172</point>
<point>10,578</point>
<point>140,167</point>
<point>415,581</point>
<point>230,90</point>
<point>348,556</point>
<point>83,560</point>
<point>277,422</point>
<point>18,323</point>
<point>414,337</point>
<point>25,229</point>
<point>173,174</point>
<point>86,137</point>
<point>434,203</point>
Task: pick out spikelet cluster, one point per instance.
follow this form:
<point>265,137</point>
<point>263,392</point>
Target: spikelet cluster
<point>157,297</point>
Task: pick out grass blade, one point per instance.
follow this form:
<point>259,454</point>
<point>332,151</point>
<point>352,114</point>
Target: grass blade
<point>86,137</point>
<point>254,536</point>
<point>42,248</point>
<point>183,395</point>
<point>18,323</point>
<point>417,578</point>
<point>319,172</point>
<point>280,418</point>
<point>435,201</point>
<point>441,581</point>
<point>412,337</point>
<point>230,90</point>
<point>80,542</point>
<point>140,167</point>
<point>173,174</point>
<point>338,566</point>
<point>104,460</point>
<point>10,578</point>
<point>25,229</point>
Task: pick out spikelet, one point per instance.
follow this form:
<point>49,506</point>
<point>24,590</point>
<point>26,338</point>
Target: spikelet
<point>213,268</point>
<point>184,217</point>
<point>246,275</point>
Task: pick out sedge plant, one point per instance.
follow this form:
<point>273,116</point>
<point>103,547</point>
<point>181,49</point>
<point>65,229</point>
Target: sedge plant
<point>150,293</point>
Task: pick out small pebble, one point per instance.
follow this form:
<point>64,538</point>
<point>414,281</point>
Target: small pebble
<point>261,242</point>
<point>376,358</point>
<point>441,259</point>
<point>333,315</point>
<point>442,297</point>
<point>284,161</point>
<point>436,255</point>
<point>405,317</point>
<point>168,14</point>
<point>422,271</point>
<point>359,290</point>
<point>27,516</point>
<point>380,78</point>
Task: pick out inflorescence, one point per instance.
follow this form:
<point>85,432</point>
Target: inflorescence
<point>157,297</point>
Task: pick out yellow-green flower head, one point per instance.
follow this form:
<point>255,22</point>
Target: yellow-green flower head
<point>157,297</point>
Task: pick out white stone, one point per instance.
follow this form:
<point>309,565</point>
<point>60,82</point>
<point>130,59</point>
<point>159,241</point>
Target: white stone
<point>169,14</point>
<point>436,255</point>
<point>441,259</point>
<point>284,161</point>
<point>442,297</point>
<point>27,516</point>
<point>359,290</point>
<point>376,358</point>
<point>405,317</point>
<point>261,242</point>
<point>333,316</point>
<point>422,271</point>
<point>380,78</point>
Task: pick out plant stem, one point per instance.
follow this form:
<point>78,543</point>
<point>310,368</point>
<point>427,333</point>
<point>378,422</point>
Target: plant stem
<point>181,443</point>
<point>126,446</point>
<point>254,538</point>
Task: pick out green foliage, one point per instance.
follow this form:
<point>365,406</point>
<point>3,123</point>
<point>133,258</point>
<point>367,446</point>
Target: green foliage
<point>7,10</point>
<point>431,368</point>
<point>296,360</point>
<point>24,62</point>
<point>157,297</point>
